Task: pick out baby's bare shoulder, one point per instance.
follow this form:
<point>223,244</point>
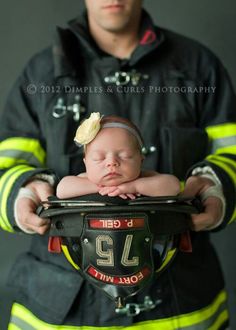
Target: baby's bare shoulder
<point>82,175</point>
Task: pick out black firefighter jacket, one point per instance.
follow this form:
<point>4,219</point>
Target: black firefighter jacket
<point>179,95</point>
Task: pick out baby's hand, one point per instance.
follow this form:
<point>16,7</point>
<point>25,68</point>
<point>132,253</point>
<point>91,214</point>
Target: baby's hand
<point>114,191</point>
<point>106,190</point>
<point>125,190</point>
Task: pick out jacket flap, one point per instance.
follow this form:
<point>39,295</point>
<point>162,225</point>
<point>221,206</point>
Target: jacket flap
<point>46,289</point>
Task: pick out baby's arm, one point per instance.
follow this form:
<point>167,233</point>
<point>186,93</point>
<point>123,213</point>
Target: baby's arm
<point>73,186</point>
<point>151,184</point>
<point>156,184</point>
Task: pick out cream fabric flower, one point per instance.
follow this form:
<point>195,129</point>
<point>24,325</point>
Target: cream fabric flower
<point>87,131</point>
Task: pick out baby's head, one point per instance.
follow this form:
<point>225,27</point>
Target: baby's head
<point>113,154</point>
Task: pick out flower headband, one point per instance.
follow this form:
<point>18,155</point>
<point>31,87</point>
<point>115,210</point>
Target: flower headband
<point>88,130</point>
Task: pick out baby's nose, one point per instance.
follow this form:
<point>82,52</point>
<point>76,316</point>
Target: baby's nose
<point>112,161</point>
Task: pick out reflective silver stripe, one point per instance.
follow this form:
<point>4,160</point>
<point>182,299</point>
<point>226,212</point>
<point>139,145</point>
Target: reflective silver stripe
<point>227,161</point>
<point>212,317</point>
<point>21,144</point>
<point>6,182</point>
<point>18,155</point>
<point>3,223</point>
<point>21,324</point>
<point>223,142</point>
<point>214,323</point>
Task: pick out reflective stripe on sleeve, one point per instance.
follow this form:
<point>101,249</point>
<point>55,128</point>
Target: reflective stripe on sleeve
<point>233,216</point>
<point>223,138</point>
<point>18,324</point>
<point>13,327</point>
<point>223,141</point>
<point>211,317</point>
<point>221,130</point>
<point>21,150</point>
<point>228,165</point>
<point>6,182</point>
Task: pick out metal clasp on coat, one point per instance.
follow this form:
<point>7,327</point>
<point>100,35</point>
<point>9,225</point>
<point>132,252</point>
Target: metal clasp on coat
<point>121,78</point>
<point>148,150</point>
<point>60,109</point>
<point>133,309</point>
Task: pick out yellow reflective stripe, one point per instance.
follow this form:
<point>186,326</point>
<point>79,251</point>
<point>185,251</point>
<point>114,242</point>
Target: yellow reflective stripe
<point>226,150</point>
<point>222,318</point>
<point>24,314</point>
<point>222,130</point>
<point>223,138</point>
<point>6,183</point>
<point>230,168</point>
<point>230,162</point>
<point>182,186</point>
<point>211,317</point>
<point>13,327</point>
<point>226,164</point>
<point>6,162</point>
<point>170,255</point>
<point>233,218</point>
<point>27,145</point>
<point>205,313</point>
<point>3,222</point>
<point>68,257</point>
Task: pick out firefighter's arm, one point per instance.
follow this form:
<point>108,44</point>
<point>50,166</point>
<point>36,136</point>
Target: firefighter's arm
<point>218,119</point>
<point>27,201</point>
<point>213,203</point>
<point>22,153</point>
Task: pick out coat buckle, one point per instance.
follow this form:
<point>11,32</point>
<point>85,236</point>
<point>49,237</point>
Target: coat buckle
<point>133,309</point>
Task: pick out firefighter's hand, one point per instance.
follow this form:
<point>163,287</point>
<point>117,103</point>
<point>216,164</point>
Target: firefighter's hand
<point>27,219</point>
<point>213,206</point>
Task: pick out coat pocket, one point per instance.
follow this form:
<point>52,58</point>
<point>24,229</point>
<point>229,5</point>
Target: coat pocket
<point>47,290</point>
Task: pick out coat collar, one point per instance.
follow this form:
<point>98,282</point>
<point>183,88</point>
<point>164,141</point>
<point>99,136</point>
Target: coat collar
<point>68,42</point>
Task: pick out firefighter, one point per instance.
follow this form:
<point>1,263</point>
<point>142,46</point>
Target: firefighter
<point>114,60</point>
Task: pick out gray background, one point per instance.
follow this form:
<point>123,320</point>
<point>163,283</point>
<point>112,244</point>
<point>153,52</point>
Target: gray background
<point>27,26</point>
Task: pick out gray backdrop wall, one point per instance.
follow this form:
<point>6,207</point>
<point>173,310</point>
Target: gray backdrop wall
<point>27,26</point>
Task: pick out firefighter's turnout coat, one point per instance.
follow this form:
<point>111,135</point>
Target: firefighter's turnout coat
<point>179,95</point>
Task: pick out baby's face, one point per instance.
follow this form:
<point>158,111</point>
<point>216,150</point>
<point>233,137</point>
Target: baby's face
<point>113,157</point>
